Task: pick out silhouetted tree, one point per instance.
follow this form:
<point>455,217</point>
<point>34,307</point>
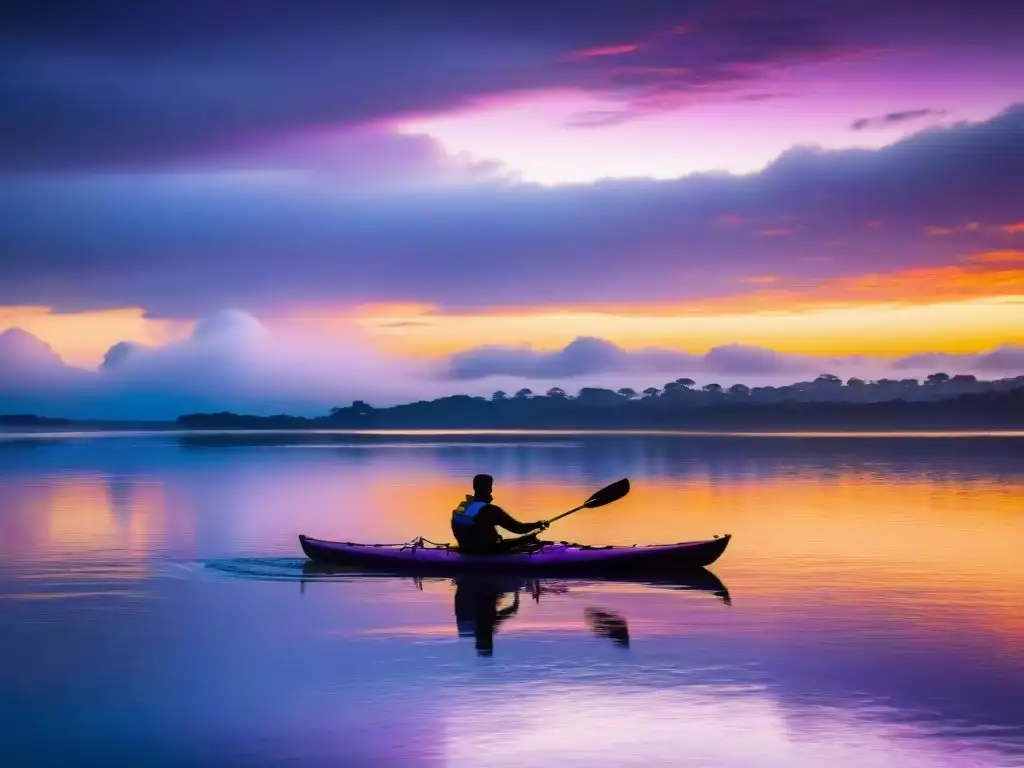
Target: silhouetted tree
<point>360,407</point>
<point>855,383</point>
<point>524,393</point>
<point>628,393</point>
<point>937,378</point>
<point>499,395</point>
<point>828,378</point>
<point>651,392</point>
<point>685,383</point>
<point>713,389</point>
<point>598,396</point>
<point>964,378</point>
<point>557,392</point>
<point>741,390</point>
<point>672,389</point>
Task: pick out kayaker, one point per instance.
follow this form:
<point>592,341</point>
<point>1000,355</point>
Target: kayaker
<point>476,520</point>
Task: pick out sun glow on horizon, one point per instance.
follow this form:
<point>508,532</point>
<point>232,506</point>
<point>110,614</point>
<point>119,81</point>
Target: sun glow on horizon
<point>964,327</point>
<point>82,338</point>
<point>424,331</point>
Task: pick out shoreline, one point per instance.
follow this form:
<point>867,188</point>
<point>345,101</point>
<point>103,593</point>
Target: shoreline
<point>171,429</point>
<point>983,412</point>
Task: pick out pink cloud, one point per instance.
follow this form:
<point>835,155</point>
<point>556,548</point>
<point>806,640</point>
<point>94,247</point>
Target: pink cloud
<point>607,50</point>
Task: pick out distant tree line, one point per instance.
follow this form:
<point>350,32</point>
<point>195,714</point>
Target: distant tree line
<point>31,420</point>
<point>826,387</point>
<point>940,401</point>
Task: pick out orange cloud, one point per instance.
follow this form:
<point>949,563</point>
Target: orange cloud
<point>1015,228</point>
<point>729,219</point>
<point>938,231</point>
<point>969,307</point>
<point>776,232</point>
<point>996,257</point>
<point>982,275</point>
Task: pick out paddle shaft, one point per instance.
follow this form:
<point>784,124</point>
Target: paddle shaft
<point>566,514</point>
<point>606,495</point>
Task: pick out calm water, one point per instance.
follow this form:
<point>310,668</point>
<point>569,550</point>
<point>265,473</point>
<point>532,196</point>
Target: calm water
<point>154,607</point>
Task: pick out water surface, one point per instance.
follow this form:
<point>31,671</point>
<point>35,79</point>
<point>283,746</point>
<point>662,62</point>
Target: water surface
<point>155,608</point>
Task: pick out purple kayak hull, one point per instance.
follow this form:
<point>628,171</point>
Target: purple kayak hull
<point>551,558</point>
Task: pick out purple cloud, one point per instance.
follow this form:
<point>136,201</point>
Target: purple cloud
<point>102,85</point>
<point>581,357</point>
<point>1008,358</point>
<point>896,118</point>
<point>589,356</point>
<point>740,360</point>
<point>21,351</point>
<point>187,244</point>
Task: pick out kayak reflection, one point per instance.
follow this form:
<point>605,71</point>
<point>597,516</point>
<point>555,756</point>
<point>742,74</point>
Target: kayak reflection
<point>484,602</point>
<point>700,580</point>
<point>477,612</point>
<point>608,624</point>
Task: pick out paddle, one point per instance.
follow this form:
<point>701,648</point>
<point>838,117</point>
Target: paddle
<point>610,625</point>
<point>606,495</point>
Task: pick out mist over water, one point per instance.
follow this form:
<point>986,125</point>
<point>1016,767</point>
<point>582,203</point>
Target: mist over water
<point>155,605</point>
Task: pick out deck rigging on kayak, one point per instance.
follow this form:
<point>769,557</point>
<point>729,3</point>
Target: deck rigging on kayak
<point>527,554</point>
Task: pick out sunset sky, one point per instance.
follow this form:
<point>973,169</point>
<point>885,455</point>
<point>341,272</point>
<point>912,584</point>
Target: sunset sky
<point>357,196</point>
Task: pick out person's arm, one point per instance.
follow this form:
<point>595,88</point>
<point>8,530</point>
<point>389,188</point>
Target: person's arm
<point>506,521</point>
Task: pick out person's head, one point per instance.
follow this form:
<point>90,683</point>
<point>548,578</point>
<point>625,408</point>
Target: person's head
<point>483,487</point>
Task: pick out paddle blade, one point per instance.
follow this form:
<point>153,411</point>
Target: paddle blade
<point>610,625</point>
<point>608,494</point>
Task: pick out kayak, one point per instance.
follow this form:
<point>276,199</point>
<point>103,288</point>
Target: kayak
<point>542,557</point>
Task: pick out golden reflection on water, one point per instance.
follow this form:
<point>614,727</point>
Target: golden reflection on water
<point>941,546</point>
<point>85,531</point>
<point>98,515</point>
<point>854,581</point>
<point>936,549</point>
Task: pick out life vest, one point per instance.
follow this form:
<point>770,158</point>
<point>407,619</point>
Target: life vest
<point>465,514</point>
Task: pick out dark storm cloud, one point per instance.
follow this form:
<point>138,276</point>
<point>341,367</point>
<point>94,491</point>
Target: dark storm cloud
<point>115,84</point>
<point>896,118</point>
<point>190,244</point>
